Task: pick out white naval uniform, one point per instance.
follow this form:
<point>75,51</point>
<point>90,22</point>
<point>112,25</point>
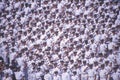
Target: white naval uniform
<point>103,74</point>
<point>103,48</point>
<point>56,77</point>
<point>38,75</point>
<point>19,75</point>
<point>97,38</point>
<point>91,74</point>
<point>116,76</point>
<point>83,73</point>
<point>75,77</point>
<point>9,71</point>
<point>65,76</point>
<point>9,78</point>
<point>48,77</point>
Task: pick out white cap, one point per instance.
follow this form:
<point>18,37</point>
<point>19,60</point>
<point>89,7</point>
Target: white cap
<point>0,60</point>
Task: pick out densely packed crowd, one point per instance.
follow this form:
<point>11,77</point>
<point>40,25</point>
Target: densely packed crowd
<point>60,39</point>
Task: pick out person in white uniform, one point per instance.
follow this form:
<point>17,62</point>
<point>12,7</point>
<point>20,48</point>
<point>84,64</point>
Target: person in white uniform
<point>56,76</point>
<point>91,73</point>
<point>47,76</point>
<point>103,73</point>
<point>115,75</point>
<point>7,77</point>
<point>74,76</point>
<point>83,71</point>
<point>19,75</point>
<point>65,75</point>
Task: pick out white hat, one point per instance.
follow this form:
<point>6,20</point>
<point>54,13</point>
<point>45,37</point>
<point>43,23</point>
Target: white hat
<point>0,60</point>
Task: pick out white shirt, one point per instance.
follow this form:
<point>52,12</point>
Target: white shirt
<point>111,58</point>
<point>33,5</point>
<point>83,68</point>
<point>49,42</point>
<point>116,76</point>
<point>48,77</point>
<point>84,37</point>
<point>74,77</point>
<point>9,71</point>
<point>103,47</point>
<point>19,75</point>
<point>55,69</point>
<point>12,55</point>
<point>17,5</point>
<point>75,58</point>
<point>56,77</point>
<point>38,75</point>
<point>27,10</point>
<point>65,76</point>
<point>93,47</point>
<point>77,11</point>
<point>9,78</point>
<point>20,61</point>
<point>92,60</point>
<point>87,54</point>
<point>111,45</point>
<point>103,73</point>
<point>91,72</point>
<point>115,38</point>
<point>97,38</point>
<point>103,36</point>
<point>87,2</point>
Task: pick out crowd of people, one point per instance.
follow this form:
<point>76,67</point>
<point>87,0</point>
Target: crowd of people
<point>60,39</point>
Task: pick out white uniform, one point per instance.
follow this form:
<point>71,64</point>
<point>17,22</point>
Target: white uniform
<point>74,77</point>
<point>111,45</point>
<point>103,48</point>
<point>9,71</point>
<point>92,60</point>
<point>83,73</point>
<point>48,77</point>
<point>103,74</point>
<point>93,47</point>
<point>97,38</point>
<point>12,55</point>
<point>9,78</point>
<point>56,77</point>
<point>116,76</point>
<point>91,74</point>
<point>65,76</point>
<point>38,75</point>
<point>19,75</point>
<point>20,61</point>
